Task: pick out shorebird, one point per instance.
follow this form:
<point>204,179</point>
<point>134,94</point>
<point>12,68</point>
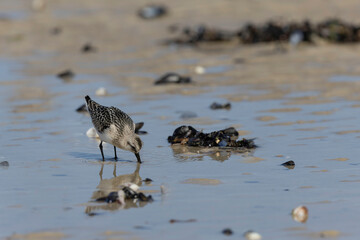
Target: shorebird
<point>115,127</point>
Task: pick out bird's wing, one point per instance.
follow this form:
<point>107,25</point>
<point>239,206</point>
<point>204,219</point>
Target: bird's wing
<point>122,118</point>
<point>101,118</point>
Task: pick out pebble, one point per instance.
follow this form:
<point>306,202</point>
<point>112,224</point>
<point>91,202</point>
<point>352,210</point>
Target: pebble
<point>66,75</point>
<point>182,221</point>
<point>91,133</point>
<point>38,5</point>
<point>172,78</point>
<point>56,30</point>
<point>152,11</point>
<point>82,108</point>
<point>4,164</point>
<point>251,235</point>
<point>88,48</point>
<point>200,70</point>
<point>296,37</point>
<point>215,106</point>
<point>227,232</point>
<point>163,189</point>
<point>101,92</point>
<point>147,180</point>
<point>289,164</point>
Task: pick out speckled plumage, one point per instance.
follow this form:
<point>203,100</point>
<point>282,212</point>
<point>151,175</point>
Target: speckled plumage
<point>102,117</point>
<point>114,127</point>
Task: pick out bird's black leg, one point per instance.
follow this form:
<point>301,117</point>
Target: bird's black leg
<point>115,152</point>
<point>101,149</point>
<point>138,157</point>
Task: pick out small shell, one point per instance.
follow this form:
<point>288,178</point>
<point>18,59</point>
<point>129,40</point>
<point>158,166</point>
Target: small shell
<point>132,186</point>
<point>91,133</point>
<point>121,197</point>
<point>200,70</point>
<point>251,235</point>
<point>300,214</point>
<point>38,5</point>
<point>163,189</point>
<point>101,92</point>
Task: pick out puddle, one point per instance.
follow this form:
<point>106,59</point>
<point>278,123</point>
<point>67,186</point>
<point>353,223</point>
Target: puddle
<point>217,69</point>
<point>14,15</point>
<point>344,78</point>
<point>190,62</point>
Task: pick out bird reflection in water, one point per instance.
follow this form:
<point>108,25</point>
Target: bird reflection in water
<point>184,153</point>
<point>114,184</point>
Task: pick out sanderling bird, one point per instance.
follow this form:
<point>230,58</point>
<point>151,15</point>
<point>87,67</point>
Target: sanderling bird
<point>115,127</point>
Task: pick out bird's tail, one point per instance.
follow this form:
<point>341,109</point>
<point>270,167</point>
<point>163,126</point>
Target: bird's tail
<point>90,103</point>
<point>87,99</point>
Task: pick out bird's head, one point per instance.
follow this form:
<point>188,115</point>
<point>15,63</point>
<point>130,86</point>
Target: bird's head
<point>134,145</point>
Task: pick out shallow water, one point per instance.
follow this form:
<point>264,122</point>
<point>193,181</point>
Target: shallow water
<point>54,167</point>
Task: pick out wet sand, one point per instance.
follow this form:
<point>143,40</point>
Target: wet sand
<point>299,103</point>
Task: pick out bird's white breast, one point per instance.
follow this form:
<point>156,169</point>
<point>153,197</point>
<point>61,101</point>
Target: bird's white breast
<point>109,134</point>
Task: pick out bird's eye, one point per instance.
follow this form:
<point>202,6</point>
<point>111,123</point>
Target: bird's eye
<point>132,147</point>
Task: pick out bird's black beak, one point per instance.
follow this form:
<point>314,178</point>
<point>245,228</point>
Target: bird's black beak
<point>138,157</point>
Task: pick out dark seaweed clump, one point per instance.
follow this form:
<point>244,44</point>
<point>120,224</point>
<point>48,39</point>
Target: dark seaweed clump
<point>152,11</point>
<point>335,30</point>
<point>129,195</point>
<point>275,31</point>
<point>215,106</point>
<point>332,30</point>
<point>88,48</point>
<point>187,135</point>
<point>289,164</point>
<point>201,33</point>
<point>82,109</point>
<point>66,75</point>
<point>171,78</point>
<point>4,164</point>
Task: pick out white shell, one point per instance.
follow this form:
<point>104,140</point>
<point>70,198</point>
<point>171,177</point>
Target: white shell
<point>251,235</point>
<point>200,70</point>
<point>163,189</point>
<point>38,5</point>
<point>101,92</point>
<point>132,186</point>
<point>121,194</point>
<point>300,214</point>
<point>91,133</point>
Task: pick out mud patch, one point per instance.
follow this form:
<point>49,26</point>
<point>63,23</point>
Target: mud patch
<point>266,118</point>
<point>202,181</point>
<point>283,110</point>
<point>341,159</point>
<point>38,236</point>
<point>347,132</point>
